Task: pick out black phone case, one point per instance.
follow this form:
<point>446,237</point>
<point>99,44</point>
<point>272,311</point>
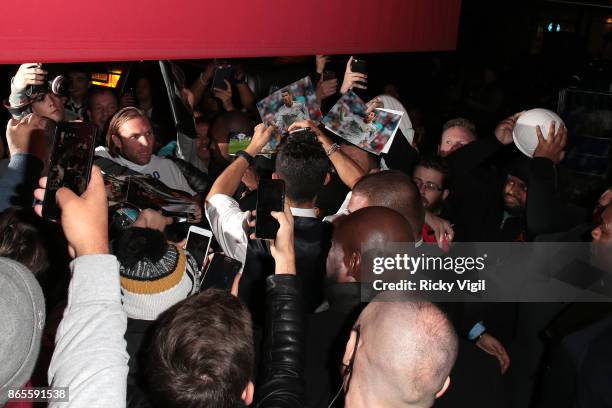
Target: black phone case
<point>358,65</point>
<point>230,268</point>
<point>264,231</point>
<point>59,161</point>
<point>221,74</point>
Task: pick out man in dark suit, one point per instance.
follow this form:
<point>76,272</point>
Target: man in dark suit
<point>328,330</point>
<point>302,162</point>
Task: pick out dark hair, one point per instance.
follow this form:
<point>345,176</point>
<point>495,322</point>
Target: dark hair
<point>79,69</point>
<point>201,353</point>
<point>462,123</point>
<point>438,163</point>
<point>97,90</point>
<point>135,244</point>
<point>21,239</point>
<point>302,163</point>
<point>395,190</point>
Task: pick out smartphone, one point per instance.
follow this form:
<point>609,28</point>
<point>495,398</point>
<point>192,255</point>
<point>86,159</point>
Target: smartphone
<point>198,242</point>
<point>222,73</point>
<point>220,273</point>
<point>71,160</point>
<point>328,74</point>
<point>238,141</point>
<point>270,197</point>
<point>358,65</point>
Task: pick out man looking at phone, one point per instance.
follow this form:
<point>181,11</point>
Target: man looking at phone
<point>130,143</point>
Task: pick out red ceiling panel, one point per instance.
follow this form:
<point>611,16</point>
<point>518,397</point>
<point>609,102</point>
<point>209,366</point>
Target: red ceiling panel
<point>85,30</point>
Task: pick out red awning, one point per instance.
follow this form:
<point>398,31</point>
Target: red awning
<point>78,30</point>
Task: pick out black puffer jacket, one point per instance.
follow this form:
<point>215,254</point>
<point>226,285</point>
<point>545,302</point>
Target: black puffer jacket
<point>280,380</point>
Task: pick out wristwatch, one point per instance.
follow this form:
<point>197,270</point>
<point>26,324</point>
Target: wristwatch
<point>245,155</point>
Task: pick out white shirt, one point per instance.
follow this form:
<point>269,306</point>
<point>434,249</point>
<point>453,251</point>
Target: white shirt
<point>231,225</point>
<point>158,167</point>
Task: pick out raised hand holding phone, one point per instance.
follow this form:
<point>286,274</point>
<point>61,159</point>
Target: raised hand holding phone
<point>71,161</point>
<point>270,197</point>
<point>198,243</point>
<point>84,218</point>
<point>221,273</point>
<point>353,79</point>
<point>283,247</point>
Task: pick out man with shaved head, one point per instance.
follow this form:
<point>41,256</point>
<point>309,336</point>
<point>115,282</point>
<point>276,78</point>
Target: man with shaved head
<point>374,226</point>
<point>328,329</point>
<point>399,354</point>
<point>392,189</point>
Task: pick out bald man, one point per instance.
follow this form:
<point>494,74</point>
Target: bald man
<point>392,189</point>
<point>400,354</point>
<point>328,329</point>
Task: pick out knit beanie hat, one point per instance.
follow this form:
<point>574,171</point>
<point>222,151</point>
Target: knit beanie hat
<point>22,320</point>
<point>154,274</point>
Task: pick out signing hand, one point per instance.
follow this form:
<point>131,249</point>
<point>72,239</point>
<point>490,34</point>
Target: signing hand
<point>261,136</point>
<point>374,104</point>
<point>309,123</point>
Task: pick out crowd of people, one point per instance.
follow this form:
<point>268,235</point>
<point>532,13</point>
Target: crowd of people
<point>118,317</point>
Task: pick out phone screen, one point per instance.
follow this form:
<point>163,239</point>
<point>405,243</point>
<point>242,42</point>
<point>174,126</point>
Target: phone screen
<point>358,65</point>
<point>71,161</point>
<point>220,273</point>
<point>238,141</point>
<point>222,73</point>
<point>270,197</point>
<point>197,245</point>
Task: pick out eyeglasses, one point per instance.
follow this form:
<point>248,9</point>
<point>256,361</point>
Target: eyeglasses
<point>428,185</point>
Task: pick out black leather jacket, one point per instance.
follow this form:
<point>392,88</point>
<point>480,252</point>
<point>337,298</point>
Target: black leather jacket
<point>280,380</point>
